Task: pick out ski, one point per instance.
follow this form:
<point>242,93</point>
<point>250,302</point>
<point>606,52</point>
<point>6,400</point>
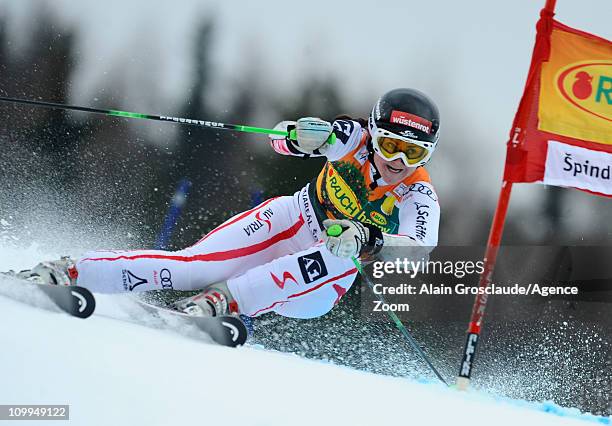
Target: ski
<point>226,330</point>
<point>73,300</point>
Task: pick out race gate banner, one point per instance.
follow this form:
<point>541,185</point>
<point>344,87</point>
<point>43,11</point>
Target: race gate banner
<point>562,132</point>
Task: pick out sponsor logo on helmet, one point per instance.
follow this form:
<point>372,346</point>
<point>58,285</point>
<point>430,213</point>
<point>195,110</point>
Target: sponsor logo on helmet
<point>411,120</point>
<point>408,134</point>
<point>377,110</point>
<point>588,87</point>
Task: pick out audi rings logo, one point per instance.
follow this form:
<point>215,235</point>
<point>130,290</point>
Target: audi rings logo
<point>422,189</point>
<point>166,279</point>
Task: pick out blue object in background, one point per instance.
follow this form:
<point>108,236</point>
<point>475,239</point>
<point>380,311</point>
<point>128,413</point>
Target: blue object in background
<point>257,197</point>
<point>174,213</point>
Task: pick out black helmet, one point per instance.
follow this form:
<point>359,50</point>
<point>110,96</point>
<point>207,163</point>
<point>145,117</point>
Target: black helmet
<point>409,115</point>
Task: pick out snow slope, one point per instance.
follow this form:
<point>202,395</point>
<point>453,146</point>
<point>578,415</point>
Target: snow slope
<point>117,373</point>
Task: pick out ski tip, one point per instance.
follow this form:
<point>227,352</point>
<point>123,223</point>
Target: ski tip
<point>84,303</point>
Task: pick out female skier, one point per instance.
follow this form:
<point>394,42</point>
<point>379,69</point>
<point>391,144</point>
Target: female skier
<point>277,256</point>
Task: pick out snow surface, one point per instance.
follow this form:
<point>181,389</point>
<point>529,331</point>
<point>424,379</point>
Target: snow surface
<point>113,372</point>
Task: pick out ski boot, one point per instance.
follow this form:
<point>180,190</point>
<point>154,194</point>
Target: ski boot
<point>214,301</point>
<point>56,272</point>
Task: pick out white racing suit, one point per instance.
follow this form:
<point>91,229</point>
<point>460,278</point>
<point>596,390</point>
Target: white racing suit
<point>271,256</point>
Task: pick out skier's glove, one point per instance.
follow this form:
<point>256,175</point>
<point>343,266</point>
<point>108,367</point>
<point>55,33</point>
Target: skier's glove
<point>356,239</point>
<point>311,135</point>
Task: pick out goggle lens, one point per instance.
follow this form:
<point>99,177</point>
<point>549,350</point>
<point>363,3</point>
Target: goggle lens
<point>391,146</point>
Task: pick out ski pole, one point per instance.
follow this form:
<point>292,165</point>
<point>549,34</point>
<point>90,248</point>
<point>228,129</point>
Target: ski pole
<point>126,114</point>
<point>336,230</point>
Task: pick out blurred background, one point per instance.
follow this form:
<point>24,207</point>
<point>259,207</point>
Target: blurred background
<point>259,63</point>
<point>71,182</point>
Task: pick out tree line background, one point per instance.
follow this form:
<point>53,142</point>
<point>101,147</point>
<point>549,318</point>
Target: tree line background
<point>115,169</point>
<point>107,168</point>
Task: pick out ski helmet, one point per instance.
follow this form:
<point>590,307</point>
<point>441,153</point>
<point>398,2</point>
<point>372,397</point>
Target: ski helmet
<point>405,123</point>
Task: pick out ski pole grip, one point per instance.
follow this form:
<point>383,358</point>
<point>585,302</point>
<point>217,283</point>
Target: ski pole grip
<point>334,231</point>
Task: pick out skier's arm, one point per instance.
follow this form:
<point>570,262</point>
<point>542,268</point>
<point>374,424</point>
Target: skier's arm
<point>313,137</point>
<point>419,214</point>
<point>418,230</point>
<point>417,236</point>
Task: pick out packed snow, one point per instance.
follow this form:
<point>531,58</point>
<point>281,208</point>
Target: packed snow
<point>115,372</point>
<point>121,367</point>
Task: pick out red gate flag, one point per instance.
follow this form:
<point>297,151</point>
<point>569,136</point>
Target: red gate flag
<point>562,135</point>
<point>562,131</point>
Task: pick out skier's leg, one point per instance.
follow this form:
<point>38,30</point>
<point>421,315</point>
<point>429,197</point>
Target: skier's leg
<point>274,228</point>
<point>302,285</point>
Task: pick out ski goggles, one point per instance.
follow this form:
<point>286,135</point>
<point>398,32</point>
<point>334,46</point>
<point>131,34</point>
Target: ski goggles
<point>411,151</point>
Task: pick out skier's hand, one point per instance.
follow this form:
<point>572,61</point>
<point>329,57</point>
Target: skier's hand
<point>283,125</point>
<point>348,238</point>
<point>312,135</point>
